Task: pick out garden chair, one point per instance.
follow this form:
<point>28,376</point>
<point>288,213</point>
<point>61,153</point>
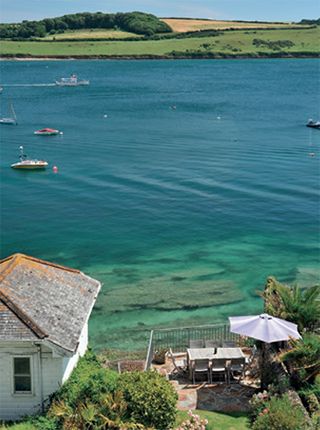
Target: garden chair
<point>179,365</point>
<point>212,343</point>
<point>199,343</point>
<point>201,367</point>
<point>250,359</point>
<point>229,344</point>
<point>219,368</point>
<point>237,367</point>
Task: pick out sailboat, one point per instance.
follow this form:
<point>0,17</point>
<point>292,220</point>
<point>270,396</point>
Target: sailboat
<point>12,120</point>
<point>28,164</point>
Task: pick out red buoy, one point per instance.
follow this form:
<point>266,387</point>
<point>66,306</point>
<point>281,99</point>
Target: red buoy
<point>55,169</point>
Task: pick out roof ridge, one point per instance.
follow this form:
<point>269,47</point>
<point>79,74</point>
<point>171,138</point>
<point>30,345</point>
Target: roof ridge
<point>22,315</point>
<point>18,256</point>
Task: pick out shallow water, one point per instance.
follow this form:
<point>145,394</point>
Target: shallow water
<point>180,213</point>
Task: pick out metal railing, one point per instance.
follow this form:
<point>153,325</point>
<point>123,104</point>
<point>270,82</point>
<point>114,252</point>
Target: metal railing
<point>178,338</point>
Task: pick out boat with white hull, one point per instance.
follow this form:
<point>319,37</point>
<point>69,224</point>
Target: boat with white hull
<point>28,164</point>
<point>73,81</point>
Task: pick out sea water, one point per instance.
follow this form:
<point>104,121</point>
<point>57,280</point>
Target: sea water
<point>181,185</point>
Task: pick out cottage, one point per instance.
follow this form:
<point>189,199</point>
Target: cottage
<point>44,312</point>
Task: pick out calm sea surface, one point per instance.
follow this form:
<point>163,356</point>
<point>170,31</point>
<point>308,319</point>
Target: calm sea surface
<point>180,213</point>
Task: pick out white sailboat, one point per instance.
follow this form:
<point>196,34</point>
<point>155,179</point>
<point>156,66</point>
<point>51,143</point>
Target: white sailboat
<point>11,120</point>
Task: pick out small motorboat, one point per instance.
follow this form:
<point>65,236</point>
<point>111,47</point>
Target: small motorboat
<point>46,132</point>
<point>73,81</point>
<point>28,164</point>
<point>313,124</point>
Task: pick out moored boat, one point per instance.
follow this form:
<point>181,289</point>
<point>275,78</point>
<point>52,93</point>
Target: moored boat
<point>313,124</point>
<point>27,163</point>
<point>11,120</point>
<point>46,132</point>
<point>73,81</point>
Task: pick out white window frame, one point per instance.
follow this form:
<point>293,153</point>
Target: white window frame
<point>22,393</point>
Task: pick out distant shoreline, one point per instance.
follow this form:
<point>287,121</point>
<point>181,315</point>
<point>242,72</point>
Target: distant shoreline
<point>155,57</point>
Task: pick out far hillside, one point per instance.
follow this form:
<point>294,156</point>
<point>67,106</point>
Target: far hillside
<point>181,25</point>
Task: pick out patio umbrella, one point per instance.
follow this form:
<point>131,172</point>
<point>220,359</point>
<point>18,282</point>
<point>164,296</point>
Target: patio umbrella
<point>264,327</point>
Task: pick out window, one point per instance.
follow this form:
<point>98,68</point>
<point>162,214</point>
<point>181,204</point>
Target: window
<point>22,374</point>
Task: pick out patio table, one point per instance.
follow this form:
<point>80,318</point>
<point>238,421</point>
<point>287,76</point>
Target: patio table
<point>198,354</point>
<point>229,353</point>
<point>211,353</point>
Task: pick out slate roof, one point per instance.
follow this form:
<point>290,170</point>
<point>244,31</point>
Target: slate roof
<point>42,300</point>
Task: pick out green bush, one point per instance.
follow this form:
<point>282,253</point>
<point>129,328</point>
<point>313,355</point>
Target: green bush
<point>151,399</point>
<point>45,423</point>
<point>279,414</point>
<point>89,380</point>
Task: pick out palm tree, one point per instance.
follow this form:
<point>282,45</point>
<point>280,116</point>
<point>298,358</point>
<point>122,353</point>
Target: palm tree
<point>301,306</point>
<point>303,360</point>
<point>110,413</point>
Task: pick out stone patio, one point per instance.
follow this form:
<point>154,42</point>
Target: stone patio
<point>215,397</point>
<point>218,397</point>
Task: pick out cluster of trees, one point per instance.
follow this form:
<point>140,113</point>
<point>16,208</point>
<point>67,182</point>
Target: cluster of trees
<point>275,45</point>
<point>135,22</point>
<point>310,21</point>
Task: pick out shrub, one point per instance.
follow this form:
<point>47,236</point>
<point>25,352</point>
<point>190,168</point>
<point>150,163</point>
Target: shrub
<point>45,423</point>
<point>258,404</point>
<point>88,380</point>
<point>193,423</point>
<point>279,414</point>
<point>151,399</point>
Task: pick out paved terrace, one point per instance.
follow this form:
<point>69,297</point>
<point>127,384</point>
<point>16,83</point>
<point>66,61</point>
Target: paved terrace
<point>218,396</point>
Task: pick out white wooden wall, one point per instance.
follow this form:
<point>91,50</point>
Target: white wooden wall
<point>55,370</point>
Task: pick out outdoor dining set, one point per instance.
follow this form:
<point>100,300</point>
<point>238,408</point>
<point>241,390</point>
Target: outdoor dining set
<point>214,360</point>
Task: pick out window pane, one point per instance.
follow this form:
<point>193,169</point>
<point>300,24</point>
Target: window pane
<point>22,383</point>
<point>22,366</point>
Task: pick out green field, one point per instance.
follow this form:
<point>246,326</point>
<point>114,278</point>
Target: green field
<point>97,33</point>
<point>228,43</point>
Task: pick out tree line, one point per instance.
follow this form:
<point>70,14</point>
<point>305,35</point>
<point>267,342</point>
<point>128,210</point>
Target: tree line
<point>310,21</point>
<point>135,22</point>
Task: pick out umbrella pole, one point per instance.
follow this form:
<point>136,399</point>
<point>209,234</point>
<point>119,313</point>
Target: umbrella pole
<point>264,366</point>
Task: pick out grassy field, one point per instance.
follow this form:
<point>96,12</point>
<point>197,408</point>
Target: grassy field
<point>97,33</point>
<point>183,25</point>
<point>229,43</point>
<point>217,420</point>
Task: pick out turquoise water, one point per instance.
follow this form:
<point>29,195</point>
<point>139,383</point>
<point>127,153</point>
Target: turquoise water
<point>180,213</point>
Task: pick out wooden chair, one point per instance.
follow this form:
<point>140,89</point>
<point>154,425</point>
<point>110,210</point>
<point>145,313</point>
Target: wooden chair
<point>179,365</point>
<point>198,343</point>
<point>237,367</point>
<point>254,351</point>
<point>212,343</point>
<point>219,368</point>
<point>229,344</point>
<point>201,367</point>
